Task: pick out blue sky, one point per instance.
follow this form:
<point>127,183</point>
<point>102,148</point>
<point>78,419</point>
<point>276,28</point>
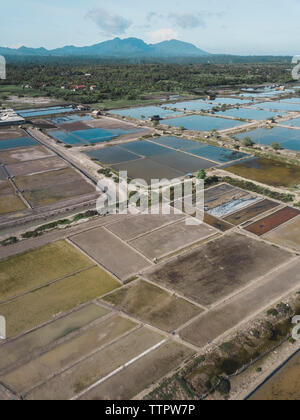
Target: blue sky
<point>217,26</point>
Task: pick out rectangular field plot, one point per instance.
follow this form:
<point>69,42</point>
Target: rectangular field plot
<point>143,113</point>
<point>3,175</point>
<point>33,269</point>
<point>221,319</point>
<point>85,374</point>
<point>24,154</point>
<point>287,235</point>
<point>111,252</point>
<point>18,142</point>
<point>271,222</point>
<point>66,354</point>
<point>217,223</point>
<point>218,268</point>
<point>141,224</point>
<point>288,138</point>
<point>267,171</point>
<point>171,238</point>
<point>144,372</point>
<point>153,305</point>
<point>112,155</point>
<point>9,201</point>
<point>36,166</point>
<point>31,345</point>
<point>203,123</point>
<point>31,310</point>
<point>52,187</point>
<point>251,212</point>
<point>183,162</point>
<point>147,170</point>
<point>225,199</point>
<point>8,133</point>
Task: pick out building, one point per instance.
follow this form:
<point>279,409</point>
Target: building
<point>93,87</point>
<point>79,87</point>
<point>10,117</point>
<point>96,113</point>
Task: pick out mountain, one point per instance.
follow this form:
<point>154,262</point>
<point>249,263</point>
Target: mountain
<point>120,48</point>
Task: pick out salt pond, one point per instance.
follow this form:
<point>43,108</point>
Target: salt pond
<point>89,136</point>
<point>15,143</point>
<point>248,114</point>
<point>38,112</point>
<point>203,123</point>
<point>143,113</point>
<point>287,137</point>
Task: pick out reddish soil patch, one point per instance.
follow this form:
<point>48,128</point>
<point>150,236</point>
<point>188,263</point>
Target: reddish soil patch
<point>271,222</point>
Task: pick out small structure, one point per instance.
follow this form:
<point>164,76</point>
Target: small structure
<point>82,108</point>
<point>10,117</point>
<point>93,87</point>
<point>79,87</point>
<point>155,118</point>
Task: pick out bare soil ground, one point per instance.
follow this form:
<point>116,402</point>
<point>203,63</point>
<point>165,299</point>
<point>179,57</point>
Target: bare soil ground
<point>134,379</point>
<point>171,238</point>
<point>141,224</point>
<point>218,268</point>
<point>37,166</point>
<point>77,379</point>
<point>221,319</point>
<point>287,235</point>
<point>52,187</point>
<point>111,252</point>
<point>24,154</point>
<point>153,305</point>
<point>8,133</point>
<point>23,349</point>
<point>66,354</point>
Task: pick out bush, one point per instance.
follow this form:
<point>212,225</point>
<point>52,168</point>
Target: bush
<point>272,312</point>
<point>247,141</point>
<point>276,146</point>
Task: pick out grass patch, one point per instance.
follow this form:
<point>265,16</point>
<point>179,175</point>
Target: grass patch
<point>32,269</point>
<point>37,307</point>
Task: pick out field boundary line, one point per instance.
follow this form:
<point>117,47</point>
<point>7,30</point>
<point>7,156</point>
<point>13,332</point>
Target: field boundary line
<point>84,358</point>
<point>2,302</point>
<point>123,367</point>
<point>93,260</point>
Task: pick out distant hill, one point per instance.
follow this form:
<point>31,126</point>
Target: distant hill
<point>119,48</point>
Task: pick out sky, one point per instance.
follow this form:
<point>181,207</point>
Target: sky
<point>243,27</point>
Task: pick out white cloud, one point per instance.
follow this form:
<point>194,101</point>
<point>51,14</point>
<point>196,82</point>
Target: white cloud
<point>110,23</point>
<point>187,20</point>
<point>162,35</point>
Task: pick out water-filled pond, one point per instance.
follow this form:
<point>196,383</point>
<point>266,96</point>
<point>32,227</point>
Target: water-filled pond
<point>266,171</point>
<point>248,114</point>
<point>18,142</point>
<point>144,113</point>
<point>38,112</point>
<point>67,119</point>
<point>279,106</point>
<point>89,136</point>
<point>203,123</point>
<point>287,137</point>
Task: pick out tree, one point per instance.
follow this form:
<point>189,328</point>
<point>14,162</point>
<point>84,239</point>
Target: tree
<point>248,142</point>
<point>201,174</point>
<point>276,146</point>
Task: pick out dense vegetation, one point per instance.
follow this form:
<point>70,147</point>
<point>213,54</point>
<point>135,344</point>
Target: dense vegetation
<point>117,81</point>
